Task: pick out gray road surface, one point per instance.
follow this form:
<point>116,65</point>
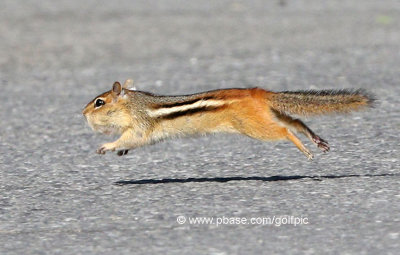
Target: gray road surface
<point>58,197</point>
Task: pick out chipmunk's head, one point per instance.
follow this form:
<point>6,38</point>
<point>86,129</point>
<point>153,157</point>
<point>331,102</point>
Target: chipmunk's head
<point>108,113</point>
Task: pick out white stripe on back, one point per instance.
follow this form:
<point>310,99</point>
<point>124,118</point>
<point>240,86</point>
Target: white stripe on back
<point>181,108</point>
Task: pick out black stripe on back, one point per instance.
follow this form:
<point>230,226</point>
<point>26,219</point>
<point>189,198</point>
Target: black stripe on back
<point>189,112</point>
<point>170,105</point>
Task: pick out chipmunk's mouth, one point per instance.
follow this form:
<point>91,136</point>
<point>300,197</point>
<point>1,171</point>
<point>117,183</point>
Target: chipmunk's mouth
<point>99,127</point>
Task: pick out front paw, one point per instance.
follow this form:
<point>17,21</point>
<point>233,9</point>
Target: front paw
<point>106,147</point>
<point>122,152</point>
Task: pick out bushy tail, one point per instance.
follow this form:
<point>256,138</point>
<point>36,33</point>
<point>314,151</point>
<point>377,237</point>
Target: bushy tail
<point>318,102</point>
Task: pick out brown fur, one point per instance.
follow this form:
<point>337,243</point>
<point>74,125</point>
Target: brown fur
<point>142,118</point>
<point>314,102</point>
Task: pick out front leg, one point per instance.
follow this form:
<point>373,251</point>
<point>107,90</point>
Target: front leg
<point>127,141</point>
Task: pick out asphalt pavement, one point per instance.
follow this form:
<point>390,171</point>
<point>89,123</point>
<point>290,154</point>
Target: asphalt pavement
<point>57,196</point>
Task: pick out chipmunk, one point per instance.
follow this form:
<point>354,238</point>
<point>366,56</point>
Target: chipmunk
<point>142,118</point>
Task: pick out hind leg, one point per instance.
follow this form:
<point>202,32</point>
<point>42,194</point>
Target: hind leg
<point>299,144</point>
<point>274,132</point>
<point>297,125</point>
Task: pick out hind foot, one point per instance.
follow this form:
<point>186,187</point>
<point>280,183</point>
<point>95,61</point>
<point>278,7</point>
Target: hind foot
<point>321,143</point>
<point>309,155</point>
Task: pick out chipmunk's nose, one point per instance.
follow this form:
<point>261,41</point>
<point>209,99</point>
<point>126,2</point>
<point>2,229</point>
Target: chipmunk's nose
<point>84,111</point>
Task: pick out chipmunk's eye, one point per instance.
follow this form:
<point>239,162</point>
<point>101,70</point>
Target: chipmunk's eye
<point>99,103</point>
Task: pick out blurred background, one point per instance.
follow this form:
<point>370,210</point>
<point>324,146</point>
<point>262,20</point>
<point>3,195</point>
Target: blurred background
<point>199,44</point>
<point>57,195</point>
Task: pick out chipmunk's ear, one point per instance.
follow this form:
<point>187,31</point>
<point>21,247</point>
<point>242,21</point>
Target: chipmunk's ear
<point>116,89</point>
<point>128,84</point>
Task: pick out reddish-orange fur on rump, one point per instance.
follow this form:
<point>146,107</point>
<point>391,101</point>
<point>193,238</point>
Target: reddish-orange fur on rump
<point>142,118</point>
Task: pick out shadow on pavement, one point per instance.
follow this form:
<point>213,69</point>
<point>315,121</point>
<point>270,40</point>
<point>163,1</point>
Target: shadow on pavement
<point>250,178</point>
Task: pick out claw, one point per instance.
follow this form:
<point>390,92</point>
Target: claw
<point>321,143</point>
<point>101,150</point>
<point>309,156</point>
<point>105,147</point>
